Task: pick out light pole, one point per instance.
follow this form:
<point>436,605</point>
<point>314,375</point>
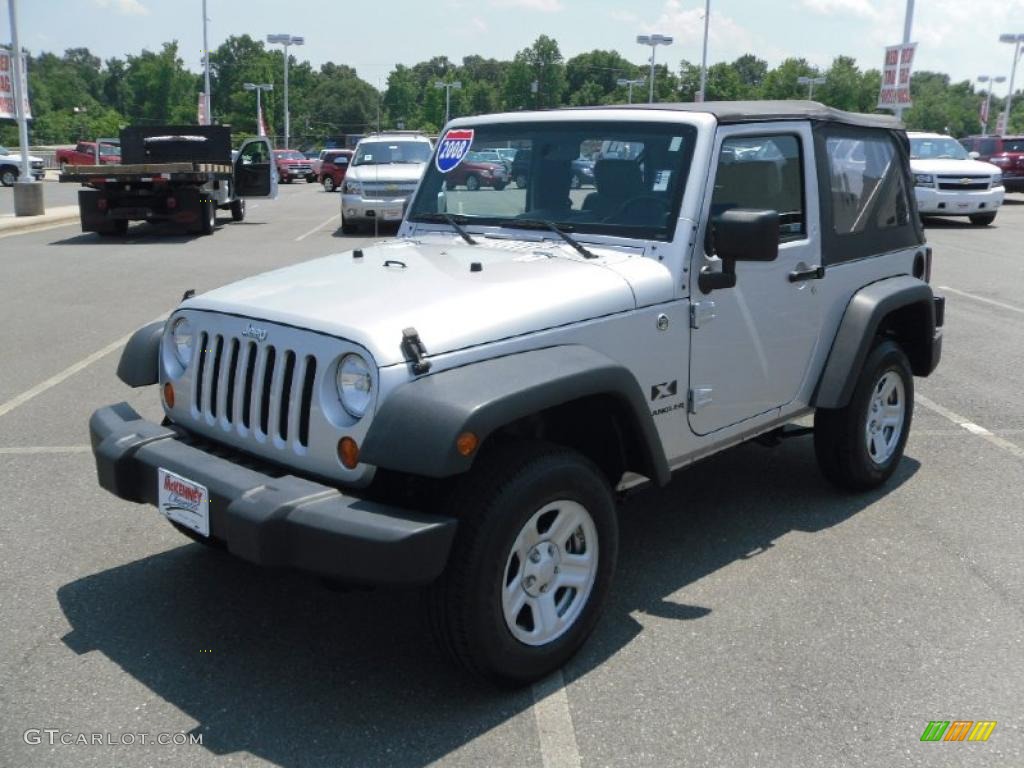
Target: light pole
<point>286,40</point>
<point>988,98</point>
<point>704,51</point>
<point>259,88</point>
<point>206,69</point>
<point>448,95</point>
<point>810,82</point>
<point>623,82</point>
<point>654,41</point>
<point>1016,41</point>
<point>908,23</point>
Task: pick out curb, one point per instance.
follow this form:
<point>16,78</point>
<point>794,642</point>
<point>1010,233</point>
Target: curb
<point>59,215</point>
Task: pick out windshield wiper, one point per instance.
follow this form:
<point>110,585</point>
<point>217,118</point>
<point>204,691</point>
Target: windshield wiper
<point>451,221</point>
<point>551,227</point>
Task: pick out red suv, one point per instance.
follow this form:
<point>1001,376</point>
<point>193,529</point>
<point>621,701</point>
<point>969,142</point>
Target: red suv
<point>292,165</point>
<point>479,169</point>
<point>333,168</point>
<point>1004,152</point>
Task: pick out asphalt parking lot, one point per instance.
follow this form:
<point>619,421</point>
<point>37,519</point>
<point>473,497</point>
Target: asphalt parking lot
<point>758,616</point>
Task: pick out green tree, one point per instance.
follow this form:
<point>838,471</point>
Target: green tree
<point>781,82</point>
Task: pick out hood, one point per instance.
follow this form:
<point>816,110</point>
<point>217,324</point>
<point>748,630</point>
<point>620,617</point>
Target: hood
<point>949,167</point>
<point>522,287</point>
<point>387,172</point>
<point>15,157</point>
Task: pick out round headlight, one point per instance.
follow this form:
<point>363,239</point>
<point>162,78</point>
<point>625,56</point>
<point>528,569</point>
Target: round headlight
<point>355,385</point>
<point>181,335</point>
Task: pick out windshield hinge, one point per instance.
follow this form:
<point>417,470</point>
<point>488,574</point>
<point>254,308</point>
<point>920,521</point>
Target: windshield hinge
<point>414,351</point>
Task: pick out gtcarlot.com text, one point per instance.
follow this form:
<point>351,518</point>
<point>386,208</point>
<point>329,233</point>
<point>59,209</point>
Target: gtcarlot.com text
<point>55,737</point>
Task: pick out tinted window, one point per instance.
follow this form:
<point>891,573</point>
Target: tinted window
<point>866,184</point>
<point>1013,145</point>
<point>987,146</point>
<point>762,172</point>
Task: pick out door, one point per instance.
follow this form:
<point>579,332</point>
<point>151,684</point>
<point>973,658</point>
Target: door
<point>255,174</point>
<point>752,344</point>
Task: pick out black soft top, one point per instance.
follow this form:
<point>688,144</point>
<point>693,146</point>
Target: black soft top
<point>763,111</point>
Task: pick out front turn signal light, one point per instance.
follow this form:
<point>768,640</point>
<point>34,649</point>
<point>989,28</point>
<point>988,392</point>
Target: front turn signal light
<point>348,452</point>
<point>467,443</point>
<point>169,394</point>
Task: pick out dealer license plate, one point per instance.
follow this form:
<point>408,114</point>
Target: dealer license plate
<point>184,501</point>
<point>392,214</point>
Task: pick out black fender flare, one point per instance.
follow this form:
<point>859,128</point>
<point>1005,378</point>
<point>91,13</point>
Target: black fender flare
<point>416,427</point>
<point>139,365</point>
<point>861,321</point>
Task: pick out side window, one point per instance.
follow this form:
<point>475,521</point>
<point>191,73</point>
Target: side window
<point>987,147</point>
<point>866,183</point>
<point>763,172</point>
<point>255,154</point>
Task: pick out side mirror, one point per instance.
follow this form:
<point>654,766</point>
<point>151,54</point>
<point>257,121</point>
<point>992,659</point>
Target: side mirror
<point>973,155</point>
<point>740,234</point>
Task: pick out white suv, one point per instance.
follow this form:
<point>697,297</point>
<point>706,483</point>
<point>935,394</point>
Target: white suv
<point>948,183</point>
<point>381,178</point>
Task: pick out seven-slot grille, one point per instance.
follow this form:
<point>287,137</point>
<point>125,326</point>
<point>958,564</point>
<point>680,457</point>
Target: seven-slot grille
<point>964,183</point>
<point>254,387</point>
<point>393,188</point>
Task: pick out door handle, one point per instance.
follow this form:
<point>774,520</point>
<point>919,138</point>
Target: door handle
<point>807,273</point>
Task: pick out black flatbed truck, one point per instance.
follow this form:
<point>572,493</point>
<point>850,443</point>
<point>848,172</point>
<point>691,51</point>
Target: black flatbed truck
<point>178,173</point>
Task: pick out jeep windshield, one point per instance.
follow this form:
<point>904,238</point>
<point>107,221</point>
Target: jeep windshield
<point>936,149</point>
<point>387,152</point>
<point>640,173</point>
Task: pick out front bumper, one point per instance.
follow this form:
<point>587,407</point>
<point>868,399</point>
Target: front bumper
<point>359,208</point>
<point>268,519</point>
<point>953,203</point>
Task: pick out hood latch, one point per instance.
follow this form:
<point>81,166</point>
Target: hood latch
<point>414,351</point>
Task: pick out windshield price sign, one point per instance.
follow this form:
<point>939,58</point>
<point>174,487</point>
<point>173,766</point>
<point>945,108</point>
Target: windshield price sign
<point>453,148</point>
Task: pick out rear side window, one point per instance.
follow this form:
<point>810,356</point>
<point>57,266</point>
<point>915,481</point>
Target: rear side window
<point>866,184</point>
<point>1013,145</point>
<point>766,173</point>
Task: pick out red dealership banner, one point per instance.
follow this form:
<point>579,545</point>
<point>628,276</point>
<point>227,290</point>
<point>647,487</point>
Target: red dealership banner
<point>7,101</point>
<point>895,91</point>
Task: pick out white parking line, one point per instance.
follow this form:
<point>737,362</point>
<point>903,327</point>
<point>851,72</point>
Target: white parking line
<point>970,426</point>
<point>993,302</point>
<point>558,748</point>
<point>71,370</point>
<point>317,228</point>
<point>29,450</point>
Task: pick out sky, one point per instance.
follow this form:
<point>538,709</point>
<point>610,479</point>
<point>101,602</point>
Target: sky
<point>959,37</point>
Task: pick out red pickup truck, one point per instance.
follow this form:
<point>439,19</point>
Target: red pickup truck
<point>84,153</point>
<point>292,165</point>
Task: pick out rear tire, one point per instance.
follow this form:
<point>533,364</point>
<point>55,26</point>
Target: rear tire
<point>329,184</point>
<point>472,183</point>
<point>311,179</point>
<point>531,565</point>
<point>859,446</point>
<point>982,219</point>
<point>207,217</point>
<point>238,209</point>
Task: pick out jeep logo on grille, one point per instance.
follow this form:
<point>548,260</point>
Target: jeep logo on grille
<point>253,332</point>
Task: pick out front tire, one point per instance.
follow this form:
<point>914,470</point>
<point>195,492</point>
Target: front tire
<point>521,181</point>
<point>531,564</point>
<point>858,447</point>
<point>982,219</point>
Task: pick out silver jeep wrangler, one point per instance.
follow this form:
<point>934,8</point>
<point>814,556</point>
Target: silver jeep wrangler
<point>458,407</point>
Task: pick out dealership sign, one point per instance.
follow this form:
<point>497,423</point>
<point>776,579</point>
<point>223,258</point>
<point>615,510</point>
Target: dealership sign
<point>7,102</point>
<point>895,92</point>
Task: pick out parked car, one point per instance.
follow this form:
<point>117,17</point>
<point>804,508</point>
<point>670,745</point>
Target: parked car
<point>520,171</point>
<point>10,166</point>
<point>462,407</point>
<point>381,177</point>
<point>334,166</point>
<point>1005,152</point>
<point>479,169</point>
<point>292,165</point>
<point>84,153</point>
<point>949,183</point>
<point>582,173</point>
<point>315,162</point>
